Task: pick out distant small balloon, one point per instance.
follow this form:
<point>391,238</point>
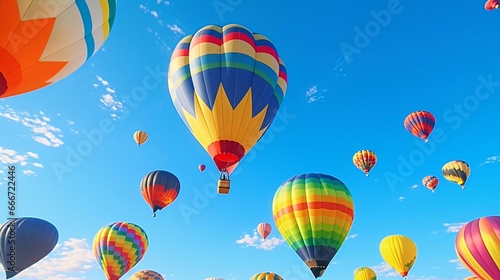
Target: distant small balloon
<point>264,229</point>
<point>147,275</point>
<point>456,171</point>
<point>140,137</point>
<point>202,167</point>
<point>430,182</point>
<point>420,124</point>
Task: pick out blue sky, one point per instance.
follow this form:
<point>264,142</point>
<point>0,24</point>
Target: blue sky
<point>427,57</point>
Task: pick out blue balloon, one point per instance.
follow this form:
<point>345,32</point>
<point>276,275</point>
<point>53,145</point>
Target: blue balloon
<point>24,242</point>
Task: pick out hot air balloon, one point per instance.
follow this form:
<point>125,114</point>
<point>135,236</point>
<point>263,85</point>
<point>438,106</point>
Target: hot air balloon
<point>478,247</point>
<point>266,276</point>
<point>430,182</point>
<point>146,275</point>
<point>491,5</point>
<point>29,239</point>
<point>49,41</point>
<point>202,167</point>
<point>399,252</point>
<point>264,229</point>
<point>473,278</point>
<point>364,160</point>
<point>118,247</point>
<point>420,124</point>
<point>159,189</point>
<point>456,171</point>
<point>227,85</point>
<point>365,273</point>
<point>308,207</point>
<point>140,137</point>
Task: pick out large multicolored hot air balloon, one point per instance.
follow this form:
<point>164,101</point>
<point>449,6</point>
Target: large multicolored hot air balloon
<point>456,171</point>
<point>140,137</point>
<point>420,124</point>
<point>399,252</point>
<point>146,275</point>
<point>430,182</point>
<point>118,247</point>
<point>308,207</point>
<point>264,229</point>
<point>266,276</point>
<point>42,42</point>
<point>478,247</point>
<point>364,160</point>
<point>491,5</point>
<point>159,189</point>
<point>227,85</point>
<point>33,240</point>
<point>364,273</point>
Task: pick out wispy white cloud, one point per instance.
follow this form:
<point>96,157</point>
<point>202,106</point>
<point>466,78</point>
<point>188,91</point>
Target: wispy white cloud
<point>164,2</point>
<point>45,133</point>
<point>352,236</point>
<point>458,264</point>
<point>493,159</point>
<point>453,227</point>
<point>414,187</point>
<point>434,232</point>
<point>109,99</point>
<point>9,156</point>
<point>68,261</point>
<point>176,29</point>
<point>313,94</point>
<point>401,198</point>
<point>383,269</point>
<point>259,243</point>
<point>155,14</point>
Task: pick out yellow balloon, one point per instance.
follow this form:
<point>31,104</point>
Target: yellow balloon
<point>365,273</point>
<point>399,252</point>
<point>140,137</point>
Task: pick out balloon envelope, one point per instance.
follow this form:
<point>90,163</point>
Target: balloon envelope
<point>314,213</point>
<point>227,85</point>
<point>456,171</point>
<point>201,167</point>
<point>118,247</point>
<point>49,41</point>
<point>420,124</point>
<point>364,273</point>
<point>478,247</point>
<point>140,137</point>
<point>159,189</point>
<point>266,276</point>
<point>364,160</point>
<point>34,239</point>
<point>399,252</point>
<point>146,275</point>
<point>430,182</point>
<point>264,229</point>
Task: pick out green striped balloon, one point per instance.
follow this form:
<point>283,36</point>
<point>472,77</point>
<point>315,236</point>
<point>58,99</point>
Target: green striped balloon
<point>314,213</point>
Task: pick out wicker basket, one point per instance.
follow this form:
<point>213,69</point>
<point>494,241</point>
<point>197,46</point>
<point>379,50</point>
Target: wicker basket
<point>223,187</point>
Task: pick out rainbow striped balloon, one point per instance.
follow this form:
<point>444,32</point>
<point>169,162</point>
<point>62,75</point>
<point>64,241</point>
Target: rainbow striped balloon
<point>118,247</point>
<point>266,276</point>
<point>227,85</point>
<point>314,213</point>
<point>42,42</point>
<point>146,275</point>
<point>478,247</point>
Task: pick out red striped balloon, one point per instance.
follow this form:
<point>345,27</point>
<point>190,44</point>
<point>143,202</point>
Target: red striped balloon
<point>264,229</point>
<point>478,247</point>
<point>420,124</point>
